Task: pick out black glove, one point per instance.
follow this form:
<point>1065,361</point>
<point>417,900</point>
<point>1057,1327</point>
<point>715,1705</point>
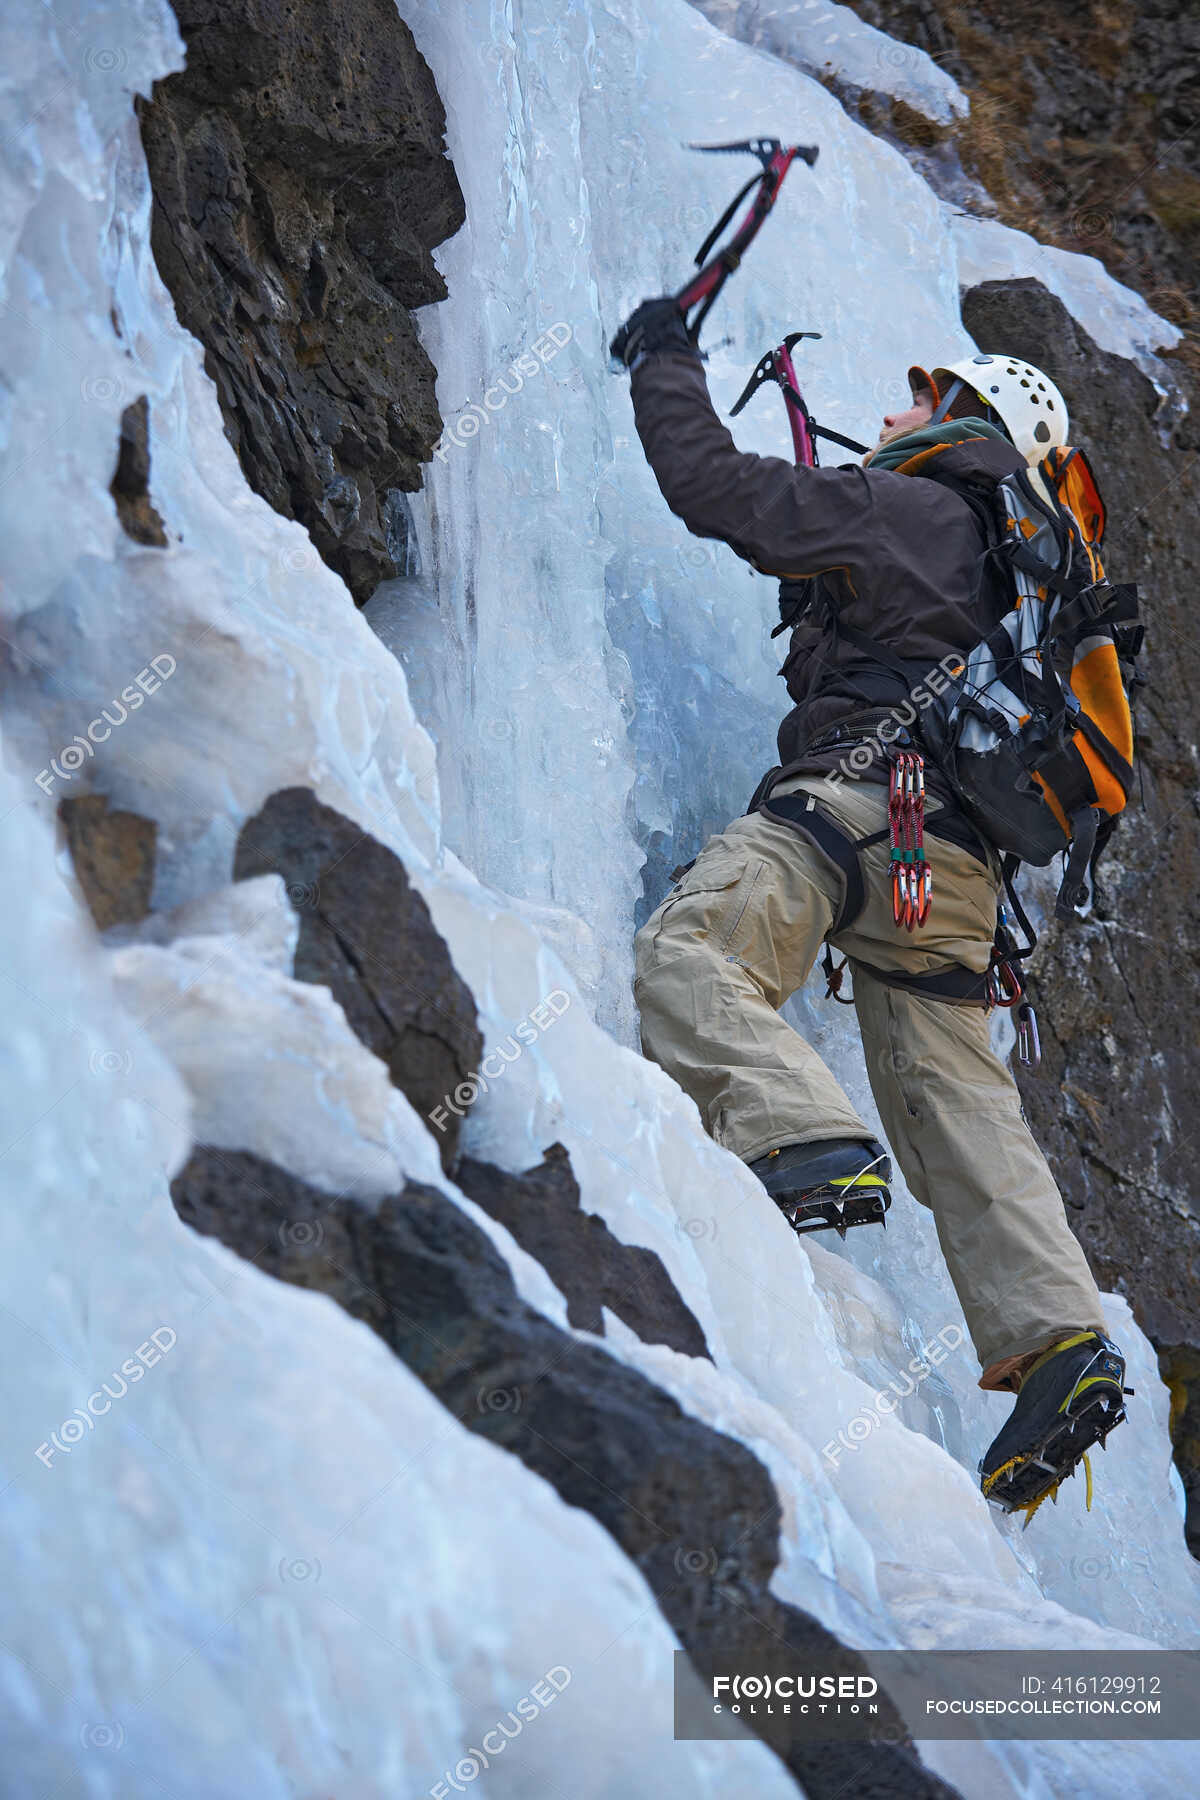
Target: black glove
<point>656,325</point>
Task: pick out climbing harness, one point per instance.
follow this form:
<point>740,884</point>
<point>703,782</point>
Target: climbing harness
<point>1002,985</point>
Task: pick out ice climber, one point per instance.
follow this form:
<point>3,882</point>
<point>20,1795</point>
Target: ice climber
<point>742,927</point>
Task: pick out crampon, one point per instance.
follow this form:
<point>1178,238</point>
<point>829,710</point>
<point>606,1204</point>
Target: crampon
<point>828,1186</point>
<point>1068,1402</point>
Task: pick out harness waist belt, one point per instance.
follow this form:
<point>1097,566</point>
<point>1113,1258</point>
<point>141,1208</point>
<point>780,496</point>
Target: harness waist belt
<point>957,985</point>
<point>948,823</point>
<point>858,728</point>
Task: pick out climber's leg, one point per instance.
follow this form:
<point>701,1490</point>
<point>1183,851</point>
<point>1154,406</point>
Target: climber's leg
<point>952,1115</point>
<point>951,1111</point>
<point>732,940</point>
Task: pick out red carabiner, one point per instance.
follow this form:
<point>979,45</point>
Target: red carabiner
<point>1004,985</point>
<point>910,840</point>
<point>896,833</point>
<point>926,871</point>
<point>921,875</point>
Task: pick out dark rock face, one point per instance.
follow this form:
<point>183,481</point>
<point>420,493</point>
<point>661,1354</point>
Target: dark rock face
<point>1115,1104</point>
<point>695,1510</point>
<point>1179,1365</point>
<point>113,854</point>
<point>590,1266</point>
<point>130,486</point>
<point>300,183</point>
<point>366,935</point>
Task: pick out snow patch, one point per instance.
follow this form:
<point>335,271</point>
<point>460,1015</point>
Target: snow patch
<point>822,38</point>
<point>1117,318</point>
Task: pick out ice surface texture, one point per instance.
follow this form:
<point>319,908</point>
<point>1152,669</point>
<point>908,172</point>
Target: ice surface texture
<point>275,1566</point>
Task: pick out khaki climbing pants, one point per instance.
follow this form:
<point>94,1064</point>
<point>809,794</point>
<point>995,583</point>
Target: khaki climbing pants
<point>741,931</point>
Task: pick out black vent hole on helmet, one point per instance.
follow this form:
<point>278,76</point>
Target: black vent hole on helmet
<point>1041,431</point>
<point>1033,399</point>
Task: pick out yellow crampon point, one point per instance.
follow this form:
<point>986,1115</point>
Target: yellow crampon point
<point>1051,1492</point>
<point>1051,1430</point>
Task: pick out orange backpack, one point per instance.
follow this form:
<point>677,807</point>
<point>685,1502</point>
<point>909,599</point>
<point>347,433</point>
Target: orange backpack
<point>1035,731</point>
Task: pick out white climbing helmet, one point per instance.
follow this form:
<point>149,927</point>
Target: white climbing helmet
<point>1028,403</point>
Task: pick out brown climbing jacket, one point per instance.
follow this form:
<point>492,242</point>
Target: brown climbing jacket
<point>900,556</point>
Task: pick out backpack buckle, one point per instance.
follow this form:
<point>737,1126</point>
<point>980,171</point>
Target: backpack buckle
<point>1129,640</point>
<point>1094,601</point>
<point>1074,891</point>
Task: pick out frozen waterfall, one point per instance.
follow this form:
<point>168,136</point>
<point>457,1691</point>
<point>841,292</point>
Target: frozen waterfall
<point>251,1575</point>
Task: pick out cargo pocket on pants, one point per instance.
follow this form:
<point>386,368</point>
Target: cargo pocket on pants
<point>705,907</point>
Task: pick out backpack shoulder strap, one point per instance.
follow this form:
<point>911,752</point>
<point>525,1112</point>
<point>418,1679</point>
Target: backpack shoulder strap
<point>798,594</point>
<point>977,496</point>
<point>908,673</point>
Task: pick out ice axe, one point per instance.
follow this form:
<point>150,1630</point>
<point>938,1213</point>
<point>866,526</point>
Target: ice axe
<point>701,291</point>
<point>796,595</point>
<point>777,366</point>
<point>776,159</point>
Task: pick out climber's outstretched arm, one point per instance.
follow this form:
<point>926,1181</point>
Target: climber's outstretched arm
<point>783,519</point>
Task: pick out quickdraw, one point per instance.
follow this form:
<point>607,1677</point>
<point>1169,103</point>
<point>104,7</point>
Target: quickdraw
<point>776,160</point>
<point>1004,987</point>
<point>912,877</point>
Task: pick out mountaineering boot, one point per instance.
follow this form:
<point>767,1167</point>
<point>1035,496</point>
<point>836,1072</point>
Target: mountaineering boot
<point>828,1185</point>
<point>1069,1398</point>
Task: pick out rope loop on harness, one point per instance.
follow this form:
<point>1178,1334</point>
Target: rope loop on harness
<point>833,973</point>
